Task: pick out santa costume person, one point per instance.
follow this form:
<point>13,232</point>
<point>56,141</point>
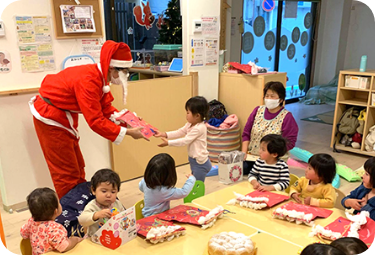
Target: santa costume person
<point>80,89</point>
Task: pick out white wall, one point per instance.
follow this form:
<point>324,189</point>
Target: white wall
<point>361,37</point>
<point>22,166</point>
<point>208,75</point>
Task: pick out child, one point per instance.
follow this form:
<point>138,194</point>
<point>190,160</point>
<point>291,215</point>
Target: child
<point>315,188</point>
<point>350,245</point>
<point>195,137</point>
<point>363,197</point>
<point>159,182</point>
<point>44,233</point>
<point>269,171</point>
<point>321,249</point>
<point>105,184</point>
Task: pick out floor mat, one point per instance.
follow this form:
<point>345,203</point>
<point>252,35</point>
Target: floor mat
<point>326,118</point>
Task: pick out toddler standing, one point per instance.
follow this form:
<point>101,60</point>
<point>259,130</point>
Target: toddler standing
<point>316,187</point>
<point>44,233</point>
<point>105,184</point>
<point>159,182</point>
<point>194,135</point>
<point>269,171</point>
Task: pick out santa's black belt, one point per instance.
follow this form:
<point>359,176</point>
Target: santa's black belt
<point>49,102</point>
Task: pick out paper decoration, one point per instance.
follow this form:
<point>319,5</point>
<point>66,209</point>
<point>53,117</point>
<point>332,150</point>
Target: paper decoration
<point>273,198</point>
<point>5,62</point>
<point>143,15</point>
<point>315,211</point>
<point>129,118</point>
<point>183,213</point>
<point>118,230</point>
<point>342,225</point>
<point>145,224</point>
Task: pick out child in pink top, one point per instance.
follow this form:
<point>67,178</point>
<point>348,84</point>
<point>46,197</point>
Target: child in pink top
<point>193,135</point>
<point>44,233</point>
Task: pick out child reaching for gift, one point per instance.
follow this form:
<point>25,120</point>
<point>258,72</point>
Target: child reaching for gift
<point>44,233</point>
<point>159,182</point>
<point>316,187</point>
<point>194,135</point>
<point>269,171</point>
<point>105,184</point>
<point>363,197</point>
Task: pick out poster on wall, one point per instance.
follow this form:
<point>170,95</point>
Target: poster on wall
<point>5,62</point>
<point>77,18</point>
<point>211,51</point>
<point>197,52</point>
<point>210,26</point>
<point>92,48</point>
<point>35,43</point>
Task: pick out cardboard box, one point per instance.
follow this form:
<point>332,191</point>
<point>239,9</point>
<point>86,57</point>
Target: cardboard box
<point>357,82</point>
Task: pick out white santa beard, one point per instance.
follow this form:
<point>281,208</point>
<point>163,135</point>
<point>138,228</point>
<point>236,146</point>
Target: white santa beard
<point>124,81</point>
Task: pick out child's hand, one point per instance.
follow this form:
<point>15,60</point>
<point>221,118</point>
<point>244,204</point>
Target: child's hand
<point>164,143</point>
<point>160,134</point>
<point>188,175</point>
<point>265,188</point>
<point>255,184</point>
<point>105,213</point>
<point>296,197</point>
<point>354,203</point>
<point>307,200</point>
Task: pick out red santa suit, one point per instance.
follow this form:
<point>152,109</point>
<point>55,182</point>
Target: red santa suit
<point>80,89</point>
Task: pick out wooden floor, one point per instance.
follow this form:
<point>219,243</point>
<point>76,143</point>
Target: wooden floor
<point>314,137</point>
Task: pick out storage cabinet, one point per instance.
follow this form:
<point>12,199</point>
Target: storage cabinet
<point>362,99</point>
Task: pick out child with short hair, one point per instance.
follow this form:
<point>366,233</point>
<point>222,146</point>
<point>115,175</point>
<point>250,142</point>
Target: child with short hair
<point>316,187</point>
<point>363,197</point>
<point>159,182</point>
<point>350,245</point>
<point>194,135</point>
<point>105,184</point>
<point>269,171</point>
<point>321,249</point>
<point>44,233</point>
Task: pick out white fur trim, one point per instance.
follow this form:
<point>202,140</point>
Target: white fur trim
<point>121,63</point>
<point>106,89</point>
<point>120,136</point>
<point>116,115</point>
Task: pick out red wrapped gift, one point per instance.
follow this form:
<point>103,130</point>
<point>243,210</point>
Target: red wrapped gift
<point>342,225</point>
<point>183,213</point>
<point>129,118</point>
<point>147,223</point>
<point>315,211</point>
<point>274,198</point>
<point>242,67</point>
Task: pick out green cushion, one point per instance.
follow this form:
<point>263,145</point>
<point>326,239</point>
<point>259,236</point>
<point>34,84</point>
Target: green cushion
<point>347,173</point>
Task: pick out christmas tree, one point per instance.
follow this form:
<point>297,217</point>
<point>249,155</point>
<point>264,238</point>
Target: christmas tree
<point>171,29</point>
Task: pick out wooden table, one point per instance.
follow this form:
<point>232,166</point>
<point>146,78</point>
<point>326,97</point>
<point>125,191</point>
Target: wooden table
<point>193,243</point>
<point>262,219</point>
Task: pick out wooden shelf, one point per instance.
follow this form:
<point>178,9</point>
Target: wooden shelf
<point>348,97</point>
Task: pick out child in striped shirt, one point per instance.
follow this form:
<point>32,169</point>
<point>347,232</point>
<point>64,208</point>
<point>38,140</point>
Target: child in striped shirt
<point>269,171</point>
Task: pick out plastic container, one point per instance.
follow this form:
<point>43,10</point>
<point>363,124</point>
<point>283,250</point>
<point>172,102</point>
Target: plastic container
<point>362,67</point>
<point>143,59</point>
<point>166,52</point>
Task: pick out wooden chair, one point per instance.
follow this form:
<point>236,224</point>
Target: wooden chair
<point>25,247</point>
<point>138,209</point>
<point>197,191</point>
<point>293,179</point>
<point>340,196</point>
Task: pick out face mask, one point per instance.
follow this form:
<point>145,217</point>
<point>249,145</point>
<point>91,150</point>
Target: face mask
<point>271,103</point>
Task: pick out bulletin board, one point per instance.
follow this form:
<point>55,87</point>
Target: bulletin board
<point>57,19</point>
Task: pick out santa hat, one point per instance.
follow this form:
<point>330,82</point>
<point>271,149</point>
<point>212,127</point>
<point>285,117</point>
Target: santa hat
<point>116,55</point>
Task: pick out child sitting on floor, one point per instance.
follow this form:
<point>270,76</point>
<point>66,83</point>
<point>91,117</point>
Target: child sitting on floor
<point>44,233</point>
<point>105,184</point>
<point>269,171</point>
<point>159,182</point>
<point>363,197</point>
<point>316,187</point>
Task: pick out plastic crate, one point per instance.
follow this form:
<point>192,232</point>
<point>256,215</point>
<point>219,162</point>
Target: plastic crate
<point>166,52</point>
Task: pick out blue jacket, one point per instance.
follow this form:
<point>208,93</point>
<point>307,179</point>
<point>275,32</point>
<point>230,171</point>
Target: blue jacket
<point>158,200</point>
<point>359,193</point>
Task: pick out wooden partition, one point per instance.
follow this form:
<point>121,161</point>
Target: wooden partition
<point>160,102</point>
<point>241,93</point>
